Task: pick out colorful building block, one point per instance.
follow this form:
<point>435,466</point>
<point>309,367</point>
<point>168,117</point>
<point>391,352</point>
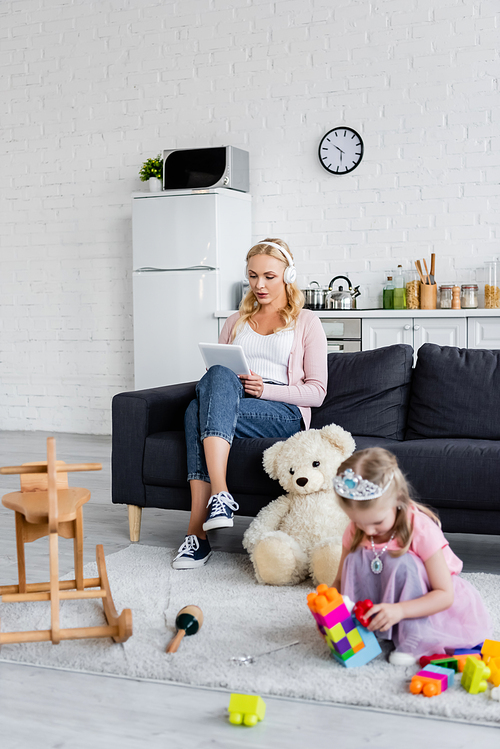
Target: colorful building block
<point>474,676</point>
<point>450,662</point>
<point>360,609</point>
<point>246,709</point>
<point>426,659</point>
<point>461,659</point>
<point>469,651</point>
<point>446,661</point>
<point>494,666</point>
<point>435,669</point>
<point>349,642</point>
<point>490,649</point>
<point>424,683</point>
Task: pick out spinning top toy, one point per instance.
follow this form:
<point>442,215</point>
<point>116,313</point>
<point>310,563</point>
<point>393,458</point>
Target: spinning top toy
<point>188,621</point>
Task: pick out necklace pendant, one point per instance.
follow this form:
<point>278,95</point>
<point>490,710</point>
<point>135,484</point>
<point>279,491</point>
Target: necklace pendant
<point>376,566</point>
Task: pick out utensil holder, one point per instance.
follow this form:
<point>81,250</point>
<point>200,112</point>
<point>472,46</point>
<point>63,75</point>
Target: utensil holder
<point>428,296</point>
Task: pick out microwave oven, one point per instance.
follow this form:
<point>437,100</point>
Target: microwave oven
<point>222,166</point>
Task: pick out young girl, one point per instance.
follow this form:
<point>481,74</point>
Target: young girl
<point>395,554</point>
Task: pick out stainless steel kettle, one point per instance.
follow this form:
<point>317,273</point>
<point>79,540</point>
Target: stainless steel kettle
<point>340,299</point>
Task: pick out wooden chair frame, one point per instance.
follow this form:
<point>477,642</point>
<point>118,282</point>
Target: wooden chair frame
<point>46,506</point>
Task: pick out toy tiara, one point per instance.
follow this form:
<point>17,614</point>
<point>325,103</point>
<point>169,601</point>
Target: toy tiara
<point>353,486</point>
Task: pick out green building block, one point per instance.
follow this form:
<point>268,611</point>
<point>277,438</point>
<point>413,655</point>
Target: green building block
<point>474,676</point>
<point>246,709</point>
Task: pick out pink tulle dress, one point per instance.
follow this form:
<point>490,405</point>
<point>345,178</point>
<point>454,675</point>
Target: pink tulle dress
<point>465,624</point>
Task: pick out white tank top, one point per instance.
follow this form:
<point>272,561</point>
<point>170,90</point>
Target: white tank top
<point>267,355</point>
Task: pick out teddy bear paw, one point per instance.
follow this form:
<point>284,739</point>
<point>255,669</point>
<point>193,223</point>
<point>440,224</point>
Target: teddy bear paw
<point>276,563</point>
<point>325,561</point>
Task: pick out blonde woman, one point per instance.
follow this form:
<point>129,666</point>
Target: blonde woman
<point>286,349</point>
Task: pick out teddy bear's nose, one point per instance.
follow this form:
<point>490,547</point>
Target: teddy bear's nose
<point>302,481</point>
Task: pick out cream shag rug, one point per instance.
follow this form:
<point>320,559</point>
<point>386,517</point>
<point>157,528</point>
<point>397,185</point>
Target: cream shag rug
<point>241,618</point>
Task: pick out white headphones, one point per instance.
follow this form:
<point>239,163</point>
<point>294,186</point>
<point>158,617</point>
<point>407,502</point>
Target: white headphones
<point>290,274</point>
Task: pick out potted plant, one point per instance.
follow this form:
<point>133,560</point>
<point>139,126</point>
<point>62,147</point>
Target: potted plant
<point>151,172</point>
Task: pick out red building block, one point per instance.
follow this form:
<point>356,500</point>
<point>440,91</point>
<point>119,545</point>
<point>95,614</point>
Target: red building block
<point>360,609</point>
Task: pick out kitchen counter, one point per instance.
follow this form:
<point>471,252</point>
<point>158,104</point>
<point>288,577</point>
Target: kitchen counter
<point>392,313</point>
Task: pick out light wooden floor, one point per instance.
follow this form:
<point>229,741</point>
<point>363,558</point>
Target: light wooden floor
<point>44,708</point>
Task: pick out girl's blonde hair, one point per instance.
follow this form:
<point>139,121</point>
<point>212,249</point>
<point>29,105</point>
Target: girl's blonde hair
<point>377,465</point>
<point>250,305</point>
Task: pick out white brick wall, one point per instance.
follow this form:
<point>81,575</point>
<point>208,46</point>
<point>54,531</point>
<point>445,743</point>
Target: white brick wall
<point>91,89</point>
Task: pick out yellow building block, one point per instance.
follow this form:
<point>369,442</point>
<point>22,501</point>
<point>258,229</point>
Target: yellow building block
<point>475,675</point>
<point>336,633</point>
<point>354,638</point>
<point>246,709</point>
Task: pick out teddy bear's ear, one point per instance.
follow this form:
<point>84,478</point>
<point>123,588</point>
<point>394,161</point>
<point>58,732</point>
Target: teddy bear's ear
<point>270,459</point>
<point>340,439</point>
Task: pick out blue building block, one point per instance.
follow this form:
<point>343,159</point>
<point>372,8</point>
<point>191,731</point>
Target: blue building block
<point>364,656</point>
<point>449,672</point>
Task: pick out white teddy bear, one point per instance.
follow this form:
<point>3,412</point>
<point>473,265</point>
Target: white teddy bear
<point>300,533</point>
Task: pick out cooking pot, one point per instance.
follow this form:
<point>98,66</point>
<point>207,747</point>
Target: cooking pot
<point>315,297</point>
<point>340,299</point>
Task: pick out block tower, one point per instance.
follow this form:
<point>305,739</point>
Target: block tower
<point>350,643</point>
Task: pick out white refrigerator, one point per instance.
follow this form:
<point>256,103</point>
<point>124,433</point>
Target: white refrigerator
<point>189,249</point>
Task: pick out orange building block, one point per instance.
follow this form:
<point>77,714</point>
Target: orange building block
<point>494,666</point>
<point>324,600</point>
<point>490,649</point>
<point>462,659</point>
<point>429,686</point>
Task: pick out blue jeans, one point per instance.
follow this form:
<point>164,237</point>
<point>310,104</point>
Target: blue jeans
<point>221,409</point>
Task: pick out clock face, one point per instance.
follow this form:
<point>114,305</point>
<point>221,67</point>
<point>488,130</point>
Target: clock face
<point>340,150</point>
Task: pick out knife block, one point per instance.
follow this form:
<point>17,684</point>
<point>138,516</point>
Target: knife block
<point>428,296</point>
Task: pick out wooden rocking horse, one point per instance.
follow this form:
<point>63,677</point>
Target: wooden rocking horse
<point>46,506</point>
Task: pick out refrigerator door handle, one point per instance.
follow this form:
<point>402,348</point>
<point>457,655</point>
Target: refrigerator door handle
<point>172,270</point>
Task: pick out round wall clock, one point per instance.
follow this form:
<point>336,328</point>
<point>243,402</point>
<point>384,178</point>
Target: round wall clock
<point>340,150</point>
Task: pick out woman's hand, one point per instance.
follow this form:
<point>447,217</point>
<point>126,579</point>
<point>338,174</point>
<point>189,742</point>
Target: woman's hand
<point>384,616</point>
<point>253,384</point>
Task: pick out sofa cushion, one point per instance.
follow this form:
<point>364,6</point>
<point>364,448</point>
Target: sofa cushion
<point>455,393</point>
<point>452,473</point>
<point>368,392</point>
<point>165,463</point>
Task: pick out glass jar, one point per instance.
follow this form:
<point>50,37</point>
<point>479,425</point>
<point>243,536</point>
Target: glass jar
<point>445,295</point>
<point>491,287</point>
<point>468,295</point>
<point>399,289</point>
<point>412,289</point>
<point>388,295</point>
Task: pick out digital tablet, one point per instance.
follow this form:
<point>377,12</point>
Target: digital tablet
<point>226,354</point>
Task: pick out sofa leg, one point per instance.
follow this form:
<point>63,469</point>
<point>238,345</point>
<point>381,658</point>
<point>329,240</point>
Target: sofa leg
<point>134,522</point>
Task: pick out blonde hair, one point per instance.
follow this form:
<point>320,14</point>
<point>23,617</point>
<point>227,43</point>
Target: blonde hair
<point>377,465</point>
<point>250,305</point>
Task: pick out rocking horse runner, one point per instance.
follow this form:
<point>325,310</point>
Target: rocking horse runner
<point>45,506</point>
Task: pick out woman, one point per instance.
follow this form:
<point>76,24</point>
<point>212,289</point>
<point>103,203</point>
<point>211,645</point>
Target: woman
<point>285,346</point>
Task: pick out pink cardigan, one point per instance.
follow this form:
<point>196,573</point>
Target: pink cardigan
<point>307,365</point>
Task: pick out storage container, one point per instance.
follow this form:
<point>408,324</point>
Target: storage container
<point>491,287</point>
<point>468,295</point>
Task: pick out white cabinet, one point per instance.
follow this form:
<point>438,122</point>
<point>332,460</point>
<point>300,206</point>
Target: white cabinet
<point>483,332</point>
<point>415,331</point>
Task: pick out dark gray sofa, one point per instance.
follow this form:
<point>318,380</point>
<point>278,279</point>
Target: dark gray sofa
<point>441,419</point>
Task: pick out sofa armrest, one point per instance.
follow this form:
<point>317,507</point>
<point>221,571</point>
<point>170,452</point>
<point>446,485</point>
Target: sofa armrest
<point>136,415</point>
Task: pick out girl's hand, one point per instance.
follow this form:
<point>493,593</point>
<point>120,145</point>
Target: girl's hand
<point>253,384</point>
<point>385,615</point>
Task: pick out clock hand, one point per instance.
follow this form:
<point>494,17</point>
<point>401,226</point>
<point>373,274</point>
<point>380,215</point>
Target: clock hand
<point>339,149</point>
